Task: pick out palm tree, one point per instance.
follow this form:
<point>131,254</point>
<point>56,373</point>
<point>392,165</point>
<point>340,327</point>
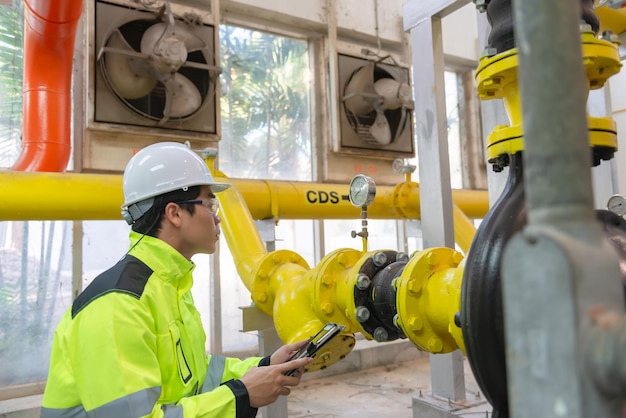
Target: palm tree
<point>11,75</point>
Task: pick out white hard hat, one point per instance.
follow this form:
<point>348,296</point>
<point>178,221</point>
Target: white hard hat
<point>160,168</point>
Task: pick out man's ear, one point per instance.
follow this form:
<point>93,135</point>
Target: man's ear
<point>172,213</point>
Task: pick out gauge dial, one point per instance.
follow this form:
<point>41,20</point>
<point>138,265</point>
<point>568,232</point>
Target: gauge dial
<point>617,204</point>
<point>362,190</point>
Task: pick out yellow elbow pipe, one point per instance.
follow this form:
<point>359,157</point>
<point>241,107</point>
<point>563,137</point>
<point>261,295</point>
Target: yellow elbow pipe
<point>238,227</point>
<point>281,283</point>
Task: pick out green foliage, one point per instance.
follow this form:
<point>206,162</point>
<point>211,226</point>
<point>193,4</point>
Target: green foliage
<point>264,104</point>
<point>11,75</point>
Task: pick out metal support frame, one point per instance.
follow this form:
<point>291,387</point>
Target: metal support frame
<point>559,268</point>
<point>422,19</point>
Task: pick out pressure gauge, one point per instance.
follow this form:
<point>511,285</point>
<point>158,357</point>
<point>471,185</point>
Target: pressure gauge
<point>617,204</point>
<point>362,190</point>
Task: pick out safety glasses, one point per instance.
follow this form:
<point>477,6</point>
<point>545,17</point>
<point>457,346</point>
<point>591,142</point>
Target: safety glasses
<point>211,204</point>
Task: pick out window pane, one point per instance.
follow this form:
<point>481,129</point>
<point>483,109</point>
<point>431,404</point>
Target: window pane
<point>35,291</point>
<point>382,234</point>
<point>264,105</point>
<point>265,135</point>
<point>12,64</point>
<point>453,120</point>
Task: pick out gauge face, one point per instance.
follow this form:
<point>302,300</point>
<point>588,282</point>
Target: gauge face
<point>617,204</point>
<point>362,190</point>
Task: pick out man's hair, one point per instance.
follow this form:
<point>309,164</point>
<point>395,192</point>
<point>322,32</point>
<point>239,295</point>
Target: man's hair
<point>150,222</point>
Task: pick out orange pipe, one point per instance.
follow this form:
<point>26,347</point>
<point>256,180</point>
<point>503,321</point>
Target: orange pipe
<point>49,34</point>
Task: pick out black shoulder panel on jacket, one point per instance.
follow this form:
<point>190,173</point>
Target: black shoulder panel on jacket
<point>129,276</point>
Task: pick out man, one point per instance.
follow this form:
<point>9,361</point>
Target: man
<point>132,344</point>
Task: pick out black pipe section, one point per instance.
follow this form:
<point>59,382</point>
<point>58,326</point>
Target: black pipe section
<point>481,316</point>
<point>384,295</point>
<point>376,301</point>
<point>500,17</point>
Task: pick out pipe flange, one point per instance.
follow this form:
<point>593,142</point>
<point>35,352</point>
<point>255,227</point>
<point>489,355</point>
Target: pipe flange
<point>331,290</point>
<point>600,59</point>
<point>262,294</point>
<point>405,199</point>
<point>413,299</point>
<point>494,73</point>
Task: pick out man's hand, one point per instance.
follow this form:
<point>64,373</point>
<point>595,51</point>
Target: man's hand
<point>266,384</point>
<point>284,353</point>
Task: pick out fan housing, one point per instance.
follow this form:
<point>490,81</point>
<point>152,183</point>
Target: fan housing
<point>376,108</point>
<point>154,70</point>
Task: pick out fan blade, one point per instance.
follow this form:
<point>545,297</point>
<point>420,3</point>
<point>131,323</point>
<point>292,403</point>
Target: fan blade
<point>359,92</point>
<point>129,75</point>
<point>192,41</point>
<point>380,129</point>
<point>393,93</point>
<point>183,97</point>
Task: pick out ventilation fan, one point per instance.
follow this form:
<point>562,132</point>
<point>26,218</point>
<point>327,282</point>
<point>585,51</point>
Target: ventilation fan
<point>154,69</point>
<point>376,106</point>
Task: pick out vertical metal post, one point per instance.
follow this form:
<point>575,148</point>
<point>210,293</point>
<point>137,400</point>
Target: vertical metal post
<point>77,258</point>
<point>269,341</point>
<point>215,294</point>
<point>559,266</point>
<point>554,96</point>
<point>423,20</point>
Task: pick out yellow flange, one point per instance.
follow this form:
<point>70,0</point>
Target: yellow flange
<point>505,140</point>
<point>427,299</point>
<point>497,78</point>
<point>334,289</point>
<point>264,283</point>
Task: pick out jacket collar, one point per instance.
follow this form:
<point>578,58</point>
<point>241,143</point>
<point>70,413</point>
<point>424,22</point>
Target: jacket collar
<point>167,263</point>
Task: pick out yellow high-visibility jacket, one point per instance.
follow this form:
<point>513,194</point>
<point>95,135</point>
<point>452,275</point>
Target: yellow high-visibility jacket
<point>132,345</point>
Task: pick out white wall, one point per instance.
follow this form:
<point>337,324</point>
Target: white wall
<point>460,35</point>
<point>356,19</point>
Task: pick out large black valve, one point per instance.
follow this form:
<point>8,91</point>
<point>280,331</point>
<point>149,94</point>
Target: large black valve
<point>481,293</point>
<point>481,313</point>
<point>482,319</point>
<point>500,17</point>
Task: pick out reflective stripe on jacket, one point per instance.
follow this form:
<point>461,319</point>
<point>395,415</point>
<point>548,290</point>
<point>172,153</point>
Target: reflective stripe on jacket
<point>133,345</point>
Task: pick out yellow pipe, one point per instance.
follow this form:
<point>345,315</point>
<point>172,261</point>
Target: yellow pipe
<point>281,283</point>
<point>238,227</point>
<point>464,229</point>
<point>70,196</point>
<point>612,19</point>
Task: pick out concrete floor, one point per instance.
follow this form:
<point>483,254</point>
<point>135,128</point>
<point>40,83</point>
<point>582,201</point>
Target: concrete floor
<point>384,391</point>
